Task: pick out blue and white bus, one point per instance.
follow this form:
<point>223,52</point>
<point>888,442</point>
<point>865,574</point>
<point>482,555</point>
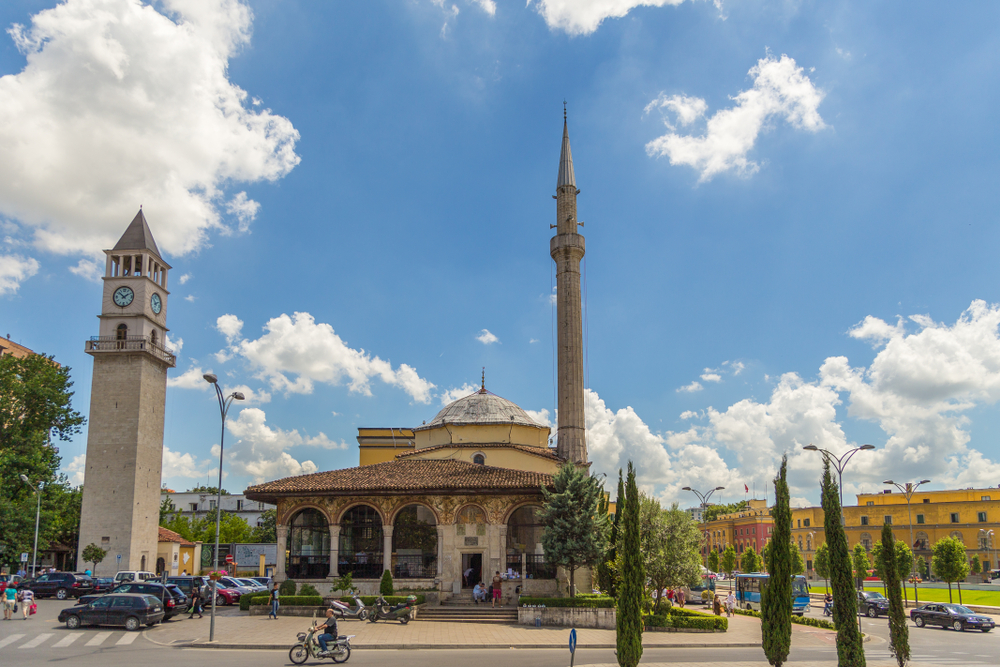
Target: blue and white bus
<point>748,588</point>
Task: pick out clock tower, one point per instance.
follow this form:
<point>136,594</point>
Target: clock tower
<point>121,492</point>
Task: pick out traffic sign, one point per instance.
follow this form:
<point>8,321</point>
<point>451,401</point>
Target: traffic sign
<point>572,646</point>
<point>118,557</point>
<point>24,556</point>
<point>229,558</point>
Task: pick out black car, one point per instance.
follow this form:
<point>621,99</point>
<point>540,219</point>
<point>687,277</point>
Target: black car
<point>60,584</point>
<point>187,582</point>
<point>132,610</point>
<point>171,597</point>
<point>955,616</point>
<point>103,584</point>
<point>872,604</point>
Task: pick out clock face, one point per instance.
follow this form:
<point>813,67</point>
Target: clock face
<point>155,303</point>
<point>123,296</point>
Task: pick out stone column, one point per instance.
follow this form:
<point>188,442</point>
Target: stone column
<point>503,547</point>
<point>334,550</point>
<point>440,550</point>
<point>279,566</point>
<point>387,547</point>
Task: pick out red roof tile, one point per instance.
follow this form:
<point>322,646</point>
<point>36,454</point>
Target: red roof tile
<point>543,452</point>
<point>167,535</point>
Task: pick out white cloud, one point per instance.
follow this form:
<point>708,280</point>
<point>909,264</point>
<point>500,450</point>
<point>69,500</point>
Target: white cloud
<point>89,269</point>
<point>244,209</point>
<point>582,17</point>
<point>175,344</point>
<point>260,451</point>
<point>689,414</point>
<point>14,270</point>
<point>250,396</point>
<point>184,278</point>
<point>780,90</point>
<point>532,340</point>
<point>487,338</point>
<point>690,388</point>
<point>76,470</point>
<point>184,465</point>
<point>190,298</point>
<point>121,105</point>
<point>229,326</point>
<point>296,351</point>
<point>738,367</point>
<point>456,393</point>
<point>541,417</point>
<point>488,6</point>
<point>711,376</point>
<point>192,378</point>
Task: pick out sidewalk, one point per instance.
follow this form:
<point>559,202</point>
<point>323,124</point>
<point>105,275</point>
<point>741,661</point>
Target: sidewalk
<point>259,632</point>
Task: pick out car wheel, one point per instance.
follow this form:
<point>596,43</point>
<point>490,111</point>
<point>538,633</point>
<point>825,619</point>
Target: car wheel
<point>919,621</point>
<point>132,624</point>
<point>298,654</point>
<point>342,656</point>
<point>72,622</point>
<point>985,629</point>
<point>872,612</point>
<point>957,626</point>
<point>61,594</point>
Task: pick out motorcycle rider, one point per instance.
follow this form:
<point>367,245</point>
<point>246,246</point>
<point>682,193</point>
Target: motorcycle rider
<point>828,604</point>
<point>329,632</point>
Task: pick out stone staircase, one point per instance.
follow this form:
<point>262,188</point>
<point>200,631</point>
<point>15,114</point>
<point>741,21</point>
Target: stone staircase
<point>463,610</point>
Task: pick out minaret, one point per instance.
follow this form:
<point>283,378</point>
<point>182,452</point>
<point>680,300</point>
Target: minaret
<point>121,490</point>
<point>567,249</point>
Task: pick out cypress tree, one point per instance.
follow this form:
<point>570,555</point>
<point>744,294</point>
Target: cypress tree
<point>574,528</point>
<point>633,579</point>
<point>612,576</point>
<point>899,632</point>
<point>776,598</point>
<point>850,650</point>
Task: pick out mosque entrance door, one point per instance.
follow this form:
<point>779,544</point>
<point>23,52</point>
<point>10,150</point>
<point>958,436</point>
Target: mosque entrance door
<point>473,562</point>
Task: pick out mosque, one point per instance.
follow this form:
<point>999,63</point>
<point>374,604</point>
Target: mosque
<point>446,504</point>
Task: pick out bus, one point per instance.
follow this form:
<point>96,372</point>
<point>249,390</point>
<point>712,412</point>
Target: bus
<point>748,588</point>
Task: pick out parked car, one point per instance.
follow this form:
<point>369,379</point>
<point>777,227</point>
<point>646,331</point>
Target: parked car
<point>172,599</point>
<point>62,585</point>
<point>266,581</point>
<point>872,604</point>
<point>134,575</point>
<point>955,616</point>
<point>103,584</point>
<point>226,596</point>
<point>254,584</point>
<point>132,610</point>
<point>187,582</point>
<point>234,584</point>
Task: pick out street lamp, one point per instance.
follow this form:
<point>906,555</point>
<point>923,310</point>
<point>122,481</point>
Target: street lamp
<point>986,543</point>
<point>703,497</point>
<point>908,490</point>
<point>839,462</point>
<point>38,513</point>
<point>224,403</point>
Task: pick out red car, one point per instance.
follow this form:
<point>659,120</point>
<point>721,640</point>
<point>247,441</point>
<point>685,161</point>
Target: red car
<point>226,596</point>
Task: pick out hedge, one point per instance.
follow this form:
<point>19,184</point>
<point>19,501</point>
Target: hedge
<point>582,602</point>
<point>800,620</point>
<point>682,618</point>
<point>248,598</point>
<point>369,600</point>
<point>290,600</point>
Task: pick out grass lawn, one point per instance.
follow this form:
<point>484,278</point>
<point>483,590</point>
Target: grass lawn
<point>987,598</point>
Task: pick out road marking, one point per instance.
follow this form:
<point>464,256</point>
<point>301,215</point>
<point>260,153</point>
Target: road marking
<point>36,641</point>
<point>67,640</point>
<point>127,639</point>
<point>9,640</point>
<point>98,639</point>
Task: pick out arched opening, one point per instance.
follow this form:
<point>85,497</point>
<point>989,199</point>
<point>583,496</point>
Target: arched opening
<point>360,548</point>
<point>161,565</point>
<point>308,555</point>
<point>121,335</point>
<point>142,564</point>
<point>921,542</point>
<point>524,538</point>
<point>479,459</point>
<point>958,536</point>
<point>152,337</point>
<point>866,541</point>
<point>414,543</point>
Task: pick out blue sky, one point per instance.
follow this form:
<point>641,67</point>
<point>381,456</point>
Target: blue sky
<point>790,215</point>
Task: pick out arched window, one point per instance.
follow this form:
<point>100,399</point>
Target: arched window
<point>866,541</point>
<point>921,541</point>
<point>121,335</point>
<point>152,337</point>
<point>958,536</point>
<point>809,543</point>
<point>360,551</point>
<point>479,459</point>
<point>161,565</point>
<point>524,538</point>
<point>414,543</point>
<point>142,564</point>
<point>308,546</point>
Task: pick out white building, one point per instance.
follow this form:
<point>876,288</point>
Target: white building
<point>198,505</point>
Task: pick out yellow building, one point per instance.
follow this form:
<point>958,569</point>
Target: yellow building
<point>175,555</point>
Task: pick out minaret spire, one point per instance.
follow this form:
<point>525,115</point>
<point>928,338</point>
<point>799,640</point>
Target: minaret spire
<point>567,249</point>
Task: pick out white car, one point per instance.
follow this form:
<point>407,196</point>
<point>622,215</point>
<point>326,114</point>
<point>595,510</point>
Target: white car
<point>234,584</point>
<point>253,584</point>
<point>134,575</point>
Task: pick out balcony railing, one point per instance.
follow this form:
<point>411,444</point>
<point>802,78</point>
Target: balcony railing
<point>362,566</point>
<point>414,567</point>
<point>98,344</point>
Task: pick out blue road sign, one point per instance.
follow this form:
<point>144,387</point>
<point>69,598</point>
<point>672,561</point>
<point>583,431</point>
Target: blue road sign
<point>572,640</point>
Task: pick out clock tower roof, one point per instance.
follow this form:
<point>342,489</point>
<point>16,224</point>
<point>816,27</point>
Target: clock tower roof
<point>138,236</point>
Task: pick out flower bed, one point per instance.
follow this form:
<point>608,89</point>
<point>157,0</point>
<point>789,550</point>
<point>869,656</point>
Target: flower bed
<point>799,620</point>
<point>685,619</point>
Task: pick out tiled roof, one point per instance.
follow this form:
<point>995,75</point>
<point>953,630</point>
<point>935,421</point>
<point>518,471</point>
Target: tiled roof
<point>167,535</point>
<point>481,407</point>
<point>403,475</point>
<point>543,452</point>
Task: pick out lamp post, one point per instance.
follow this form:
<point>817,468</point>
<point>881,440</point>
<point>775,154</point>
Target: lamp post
<point>811,544</point>
<point>38,514</point>
<point>224,403</point>
<point>839,462</point>
<point>703,497</point>
<point>985,542</point>
<point>908,490</point>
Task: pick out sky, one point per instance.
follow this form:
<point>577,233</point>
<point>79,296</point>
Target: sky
<point>790,213</point>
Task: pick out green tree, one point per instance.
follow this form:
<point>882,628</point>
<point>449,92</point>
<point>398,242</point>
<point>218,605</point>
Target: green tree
<point>821,562</point>
<point>93,554</point>
<point>776,598</point>
<point>345,583</point>
<point>670,542</point>
<point>214,490</point>
<point>949,563</point>
<point>287,587</point>
<point>713,560</point>
<point>267,531</point>
<point>232,529</point>
<point>628,619</point>
<point>728,560</point>
<point>888,564</point>
<point>713,512</point>
<point>904,561</point>
<point>605,569</point>
<point>574,534</point>
<point>166,509</point>
<point>798,562</point>
<point>750,561</point>
<point>850,649</point>
<point>385,586</point>
<point>861,564</point>
<point>922,568</point>
<point>975,567</point>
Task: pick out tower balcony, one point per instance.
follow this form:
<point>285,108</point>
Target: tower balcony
<point>114,344</point>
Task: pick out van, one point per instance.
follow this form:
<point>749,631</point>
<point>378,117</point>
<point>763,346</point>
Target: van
<point>134,575</point>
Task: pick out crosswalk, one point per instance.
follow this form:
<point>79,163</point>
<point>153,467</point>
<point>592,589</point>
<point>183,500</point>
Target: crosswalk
<point>68,639</point>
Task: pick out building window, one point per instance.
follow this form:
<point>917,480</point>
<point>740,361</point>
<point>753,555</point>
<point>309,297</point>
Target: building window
<point>121,333</point>
<point>864,521</point>
<point>927,500</point>
<point>211,504</point>
<point>887,519</point>
<point>954,517</point>
<point>414,543</point>
<point>958,536</point>
<point>479,459</point>
<point>308,546</point>
<point>985,498</point>
<point>982,517</point>
<point>524,536</point>
<point>805,522</point>
<point>194,507</point>
<point>239,505</point>
<point>866,541</point>
<point>922,542</point>
<point>360,548</point>
<point>800,523</point>
<point>920,518</point>
<point>870,503</point>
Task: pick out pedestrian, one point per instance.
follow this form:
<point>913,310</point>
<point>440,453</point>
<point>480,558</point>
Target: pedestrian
<point>730,604</point>
<point>467,575</point>
<point>479,593</point>
<point>717,606</point>
<point>497,588</point>
<point>9,602</point>
<point>27,597</point>
<point>195,601</point>
<point>274,603</point>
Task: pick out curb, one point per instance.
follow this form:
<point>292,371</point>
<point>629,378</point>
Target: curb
<point>434,647</point>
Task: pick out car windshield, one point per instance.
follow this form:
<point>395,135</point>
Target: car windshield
<point>799,587</point>
<point>958,609</point>
<point>249,582</point>
<point>875,596</point>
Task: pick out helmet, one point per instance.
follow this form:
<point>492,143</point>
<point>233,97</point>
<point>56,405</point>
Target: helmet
<point>411,598</point>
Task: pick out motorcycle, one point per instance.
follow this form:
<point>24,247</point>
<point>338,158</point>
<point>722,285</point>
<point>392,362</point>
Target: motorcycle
<point>828,609</point>
<point>401,612</point>
<point>308,647</point>
<point>358,611</point>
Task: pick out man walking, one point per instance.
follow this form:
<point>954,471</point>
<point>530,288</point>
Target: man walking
<point>274,602</point>
<point>497,590</point>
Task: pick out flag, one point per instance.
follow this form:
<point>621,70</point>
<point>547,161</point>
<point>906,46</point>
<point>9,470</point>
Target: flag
<point>746,489</point>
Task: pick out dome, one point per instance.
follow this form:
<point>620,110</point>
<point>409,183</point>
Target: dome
<point>481,407</point>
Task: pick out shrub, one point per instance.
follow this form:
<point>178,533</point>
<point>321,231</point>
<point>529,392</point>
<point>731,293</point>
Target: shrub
<point>369,600</point>
<point>584,603</point>
<point>287,588</point>
<point>247,599</point>
<point>800,620</point>
<point>683,618</point>
<point>308,589</point>
<point>290,600</point>
<point>385,586</point>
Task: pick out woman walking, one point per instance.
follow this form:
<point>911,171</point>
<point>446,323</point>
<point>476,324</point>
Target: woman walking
<point>27,601</point>
<point>195,601</point>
